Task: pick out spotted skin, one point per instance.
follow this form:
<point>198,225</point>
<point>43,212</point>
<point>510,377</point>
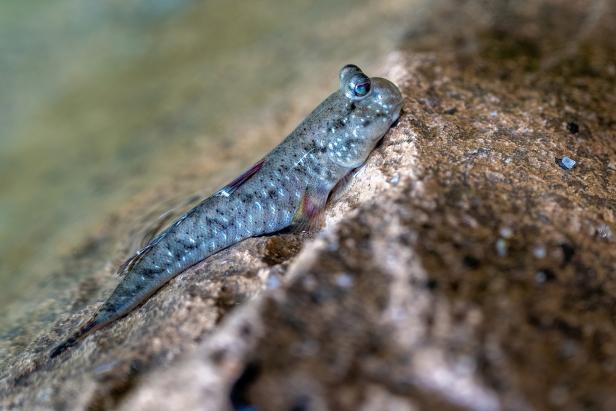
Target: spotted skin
<point>289,186</point>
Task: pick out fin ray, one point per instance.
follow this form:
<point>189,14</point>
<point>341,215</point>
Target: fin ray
<point>309,213</point>
<point>227,190</point>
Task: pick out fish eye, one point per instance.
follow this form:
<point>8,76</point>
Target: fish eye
<point>359,86</point>
<point>361,89</point>
<point>354,83</point>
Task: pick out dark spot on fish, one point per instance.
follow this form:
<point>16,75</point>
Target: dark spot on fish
<point>338,123</point>
<point>366,123</point>
<point>352,106</point>
<point>151,272</point>
<point>271,193</point>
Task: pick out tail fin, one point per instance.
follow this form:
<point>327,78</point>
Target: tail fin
<point>90,326</point>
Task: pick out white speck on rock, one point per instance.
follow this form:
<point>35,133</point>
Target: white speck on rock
<point>539,251</point>
<point>272,282</point>
<point>394,180</point>
<point>501,247</point>
<point>344,280</point>
<point>506,232</point>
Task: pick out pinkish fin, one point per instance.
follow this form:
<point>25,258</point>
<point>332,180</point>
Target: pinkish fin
<point>227,190</point>
<point>309,214</point>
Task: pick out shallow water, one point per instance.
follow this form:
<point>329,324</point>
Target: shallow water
<point>102,102</point>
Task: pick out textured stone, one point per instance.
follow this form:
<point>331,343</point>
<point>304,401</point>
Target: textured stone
<point>463,268</point>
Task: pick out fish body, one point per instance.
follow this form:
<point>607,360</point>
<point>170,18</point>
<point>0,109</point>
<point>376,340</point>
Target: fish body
<point>289,186</point>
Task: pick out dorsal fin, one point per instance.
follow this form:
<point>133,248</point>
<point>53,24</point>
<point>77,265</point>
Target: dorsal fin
<point>166,219</point>
<point>227,190</point>
<point>155,234</point>
<point>135,258</point>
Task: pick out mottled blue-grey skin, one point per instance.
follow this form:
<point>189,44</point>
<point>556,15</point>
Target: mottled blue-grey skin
<point>300,173</point>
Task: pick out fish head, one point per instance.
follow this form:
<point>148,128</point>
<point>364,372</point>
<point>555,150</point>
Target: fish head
<point>371,106</point>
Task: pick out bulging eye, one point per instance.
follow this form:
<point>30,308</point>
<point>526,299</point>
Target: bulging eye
<point>354,83</point>
<point>361,89</point>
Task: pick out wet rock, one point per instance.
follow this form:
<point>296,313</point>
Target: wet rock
<point>405,300</point>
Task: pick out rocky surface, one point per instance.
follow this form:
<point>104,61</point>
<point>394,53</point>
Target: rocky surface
<point>464,269</point>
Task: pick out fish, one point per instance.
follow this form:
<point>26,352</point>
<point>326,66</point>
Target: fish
<point>288,188</point>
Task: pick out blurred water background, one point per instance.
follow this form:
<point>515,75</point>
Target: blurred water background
<point>101,100</point>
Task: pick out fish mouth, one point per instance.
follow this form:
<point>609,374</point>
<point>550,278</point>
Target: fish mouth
<point>397,111</point>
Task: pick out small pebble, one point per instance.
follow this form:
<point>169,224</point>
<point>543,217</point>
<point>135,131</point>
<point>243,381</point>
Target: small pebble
<point>541,277</point>
<point>344,280</point>
<point>539,251</point>
<point>272,282</point>
<point>105,367</point>
<point>544,276</point>
<point>604,232</point>
<point>506,232</point>
<point>568,349</point>
<point>566,163</point>
<point>501,247</point>
<point>395,179</point>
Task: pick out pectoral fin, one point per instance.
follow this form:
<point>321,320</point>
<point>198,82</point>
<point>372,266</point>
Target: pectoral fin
<point>309,213</point>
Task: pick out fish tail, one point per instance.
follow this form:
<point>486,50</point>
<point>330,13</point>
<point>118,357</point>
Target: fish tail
<point>89,327</point>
